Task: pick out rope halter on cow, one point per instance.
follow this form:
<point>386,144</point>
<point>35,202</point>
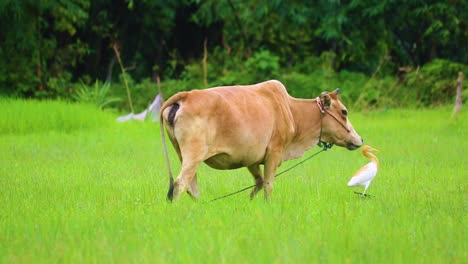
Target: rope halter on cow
<point>323,110</point>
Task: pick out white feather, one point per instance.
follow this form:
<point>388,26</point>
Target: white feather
<point>364,176</point>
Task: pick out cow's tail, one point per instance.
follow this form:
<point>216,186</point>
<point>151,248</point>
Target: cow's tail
<point>168,103</point>
<point>166,156</point>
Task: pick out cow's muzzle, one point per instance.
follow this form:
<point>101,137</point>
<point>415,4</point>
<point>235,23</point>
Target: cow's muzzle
<point>352,146</point>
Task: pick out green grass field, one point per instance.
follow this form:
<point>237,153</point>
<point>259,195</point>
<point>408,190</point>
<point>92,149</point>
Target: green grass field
<point>78,187</point>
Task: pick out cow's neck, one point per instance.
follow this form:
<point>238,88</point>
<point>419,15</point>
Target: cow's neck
<point>306,116</point>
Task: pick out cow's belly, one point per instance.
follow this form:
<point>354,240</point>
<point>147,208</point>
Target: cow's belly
<point>225,161</point>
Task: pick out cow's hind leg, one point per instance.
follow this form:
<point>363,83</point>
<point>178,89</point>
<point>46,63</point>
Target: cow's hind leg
<point>193,188</point>
<point>191,156</point>
<point>185,181</point>
<point>257,174</point>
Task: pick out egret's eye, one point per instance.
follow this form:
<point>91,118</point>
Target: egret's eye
<point>344,112</point>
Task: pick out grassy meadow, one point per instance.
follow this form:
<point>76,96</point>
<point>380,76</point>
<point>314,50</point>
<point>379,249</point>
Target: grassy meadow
<point>76,186</point>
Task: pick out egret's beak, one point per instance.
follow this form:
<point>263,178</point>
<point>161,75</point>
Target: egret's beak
<point>373,149</point>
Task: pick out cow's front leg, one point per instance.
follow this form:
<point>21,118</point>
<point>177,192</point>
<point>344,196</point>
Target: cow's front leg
<point>271,163</point>
<point>257,174</point>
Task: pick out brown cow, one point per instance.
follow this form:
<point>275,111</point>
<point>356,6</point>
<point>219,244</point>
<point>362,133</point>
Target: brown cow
<point>246,126</point>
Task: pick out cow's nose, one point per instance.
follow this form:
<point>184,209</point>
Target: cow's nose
<point>362,141</point>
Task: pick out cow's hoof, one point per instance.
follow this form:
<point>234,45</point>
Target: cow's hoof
<point>254,192</point>
<point>170,194</point>
<point>252,195</point>
<point>169,199</point>
<point>194,195</point>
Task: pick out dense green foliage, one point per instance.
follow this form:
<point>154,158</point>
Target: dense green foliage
<point>90,190</point>
<point>48,49</point>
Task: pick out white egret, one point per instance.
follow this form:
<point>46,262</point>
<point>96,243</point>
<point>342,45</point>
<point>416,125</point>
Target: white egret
<point>365,175</point>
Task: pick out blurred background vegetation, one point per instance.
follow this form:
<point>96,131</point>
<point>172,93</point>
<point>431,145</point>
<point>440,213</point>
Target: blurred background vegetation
<point>382,53</point>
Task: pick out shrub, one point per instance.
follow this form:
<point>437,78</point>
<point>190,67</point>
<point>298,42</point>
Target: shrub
<point>371,93</point>
<point>262,66</point>
<point>97,94</point>
<point>435,82</point>
<point>301,85</point>
<point>308,65</point>
<point>59,86</point>
<point>171,86</point>
<point>142,93</point>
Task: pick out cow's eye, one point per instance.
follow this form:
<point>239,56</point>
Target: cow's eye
<point>344,112</point>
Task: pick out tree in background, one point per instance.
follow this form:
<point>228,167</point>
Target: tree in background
<point>47,46</point>
<point>39,42</point>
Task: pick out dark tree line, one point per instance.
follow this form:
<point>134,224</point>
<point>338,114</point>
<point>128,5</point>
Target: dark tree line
<point>45,44</point>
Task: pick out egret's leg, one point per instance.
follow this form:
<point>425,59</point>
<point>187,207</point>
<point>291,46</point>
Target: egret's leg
<point>365,189</point>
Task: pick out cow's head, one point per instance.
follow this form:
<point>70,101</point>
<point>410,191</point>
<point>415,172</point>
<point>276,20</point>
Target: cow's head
<point>336,128</point>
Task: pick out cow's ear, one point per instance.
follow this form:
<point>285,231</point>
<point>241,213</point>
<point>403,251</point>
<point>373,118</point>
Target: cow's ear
<point>325,99</point>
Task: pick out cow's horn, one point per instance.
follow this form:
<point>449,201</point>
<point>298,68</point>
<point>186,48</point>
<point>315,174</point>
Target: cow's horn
<point>337,91</point>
